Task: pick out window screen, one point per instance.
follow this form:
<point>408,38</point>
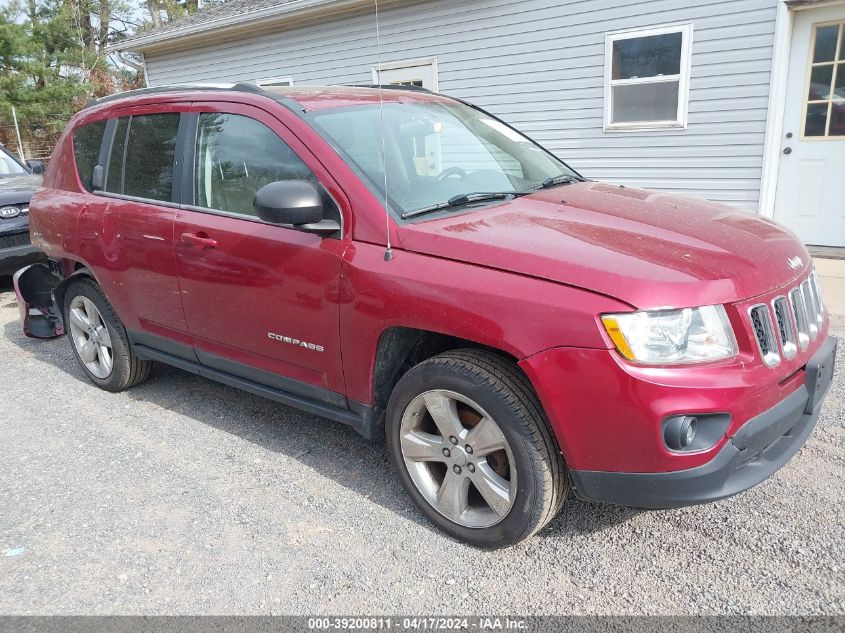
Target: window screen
<point>235,157</point>
<point>150,149</point>
<point>86,150</point>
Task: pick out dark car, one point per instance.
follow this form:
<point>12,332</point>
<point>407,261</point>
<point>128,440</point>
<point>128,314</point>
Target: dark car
<point>523,332</point>
<point>18,181</point>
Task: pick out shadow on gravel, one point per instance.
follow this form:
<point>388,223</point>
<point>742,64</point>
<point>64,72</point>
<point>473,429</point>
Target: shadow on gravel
<point>333,450</point>
<point>581,517</point>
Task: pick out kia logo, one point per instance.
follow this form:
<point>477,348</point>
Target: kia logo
<point>9,212</point>
<point>795,262</point>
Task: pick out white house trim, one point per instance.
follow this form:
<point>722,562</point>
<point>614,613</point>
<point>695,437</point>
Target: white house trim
<point>777,106</point>
<point>146,74</point>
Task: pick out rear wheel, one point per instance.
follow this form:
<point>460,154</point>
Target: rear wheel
<point>472,447</point>
<point>99,340</point>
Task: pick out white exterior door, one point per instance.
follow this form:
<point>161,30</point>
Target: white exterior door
<point>811,177</point>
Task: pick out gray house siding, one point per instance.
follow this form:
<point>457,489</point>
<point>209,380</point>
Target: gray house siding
<point>539,64</point>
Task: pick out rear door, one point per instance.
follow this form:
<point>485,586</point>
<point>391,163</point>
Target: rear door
<point>261,300</point>
<point>135,238</point>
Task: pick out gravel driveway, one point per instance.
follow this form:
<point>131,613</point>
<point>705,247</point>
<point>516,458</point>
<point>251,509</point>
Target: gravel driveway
<point>185,496</point>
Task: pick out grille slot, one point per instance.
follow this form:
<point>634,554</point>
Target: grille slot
<point>784,326</point>
<point>14,240</point>
<point>761,321</point>
<point>817,298</point>
<point>796,299</point>
<point>810,309</point>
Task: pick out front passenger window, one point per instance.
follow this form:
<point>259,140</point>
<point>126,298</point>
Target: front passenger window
<point>235,157</point>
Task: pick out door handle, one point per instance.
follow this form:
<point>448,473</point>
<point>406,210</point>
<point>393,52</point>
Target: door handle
<point>201,240</point>
<point>787,150</point>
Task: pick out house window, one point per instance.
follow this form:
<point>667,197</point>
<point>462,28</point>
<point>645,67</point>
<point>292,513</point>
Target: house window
<point>824,115</point>
<point>270,82</point>
<point>421,73</point>
<point>647,78</point>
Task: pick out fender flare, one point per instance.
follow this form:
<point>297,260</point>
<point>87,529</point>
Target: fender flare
<point>58,292</point>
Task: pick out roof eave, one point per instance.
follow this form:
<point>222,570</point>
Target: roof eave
<point>296,9</point>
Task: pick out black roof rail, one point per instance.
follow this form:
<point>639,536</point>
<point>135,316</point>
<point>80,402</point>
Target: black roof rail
<point>237,87</point>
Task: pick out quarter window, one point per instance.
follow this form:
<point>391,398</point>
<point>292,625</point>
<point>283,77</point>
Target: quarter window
<point>825,106</point>
<point>235,157</point>
<point>86,150</point>
<point>647,78</point>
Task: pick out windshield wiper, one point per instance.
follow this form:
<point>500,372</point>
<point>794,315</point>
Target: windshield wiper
<point>561,179</point>
<point>460,200</point>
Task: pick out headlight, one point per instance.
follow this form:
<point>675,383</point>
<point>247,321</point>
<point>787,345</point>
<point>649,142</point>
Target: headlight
<point>672,336</point>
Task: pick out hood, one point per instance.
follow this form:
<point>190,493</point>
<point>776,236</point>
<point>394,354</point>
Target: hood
<point>647,249</point>
<point>18,189</point>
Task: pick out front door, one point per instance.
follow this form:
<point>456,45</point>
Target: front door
<point>260,299</point>
<point>811,177</point>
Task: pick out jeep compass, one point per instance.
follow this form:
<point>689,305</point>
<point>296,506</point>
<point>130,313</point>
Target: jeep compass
<point>411,265</point>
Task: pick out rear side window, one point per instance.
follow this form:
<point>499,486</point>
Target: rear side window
<point>235,157</point>
<point>86,150</point>
<point>141,160</point>
<point>148,170</point>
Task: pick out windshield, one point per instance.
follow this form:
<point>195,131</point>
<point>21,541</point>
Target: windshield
<point>9,166</point>
<point>436,152</point>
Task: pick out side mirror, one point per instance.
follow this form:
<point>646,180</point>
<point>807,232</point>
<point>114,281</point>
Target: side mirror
<point>35,166</point>
<point>289,202</point>
<point>98,178</point>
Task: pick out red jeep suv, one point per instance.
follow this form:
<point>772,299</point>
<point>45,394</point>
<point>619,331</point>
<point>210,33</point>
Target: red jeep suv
<point>410,265</point>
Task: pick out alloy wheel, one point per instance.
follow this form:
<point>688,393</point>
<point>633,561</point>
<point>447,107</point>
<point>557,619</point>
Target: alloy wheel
<point>458,458</point>
<point>91,337</point>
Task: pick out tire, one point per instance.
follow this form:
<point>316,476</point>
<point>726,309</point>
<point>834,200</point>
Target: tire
<point>85,305</point>
<point>526,492</point>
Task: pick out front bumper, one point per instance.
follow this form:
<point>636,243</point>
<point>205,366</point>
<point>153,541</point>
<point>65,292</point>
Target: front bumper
<point>755,451</point>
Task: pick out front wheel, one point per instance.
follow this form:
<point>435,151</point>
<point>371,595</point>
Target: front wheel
<point>473,449</point>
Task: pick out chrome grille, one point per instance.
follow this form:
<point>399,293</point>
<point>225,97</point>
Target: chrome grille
<point>790,323</point>
<point>784,325</point>
<point>761,321</point>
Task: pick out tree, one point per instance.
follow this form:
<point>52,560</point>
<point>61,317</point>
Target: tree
<point>39,61</point>
<point>53,58</point>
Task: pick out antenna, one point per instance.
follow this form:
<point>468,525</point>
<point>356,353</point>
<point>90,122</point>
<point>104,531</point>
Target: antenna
<point>388,254</point>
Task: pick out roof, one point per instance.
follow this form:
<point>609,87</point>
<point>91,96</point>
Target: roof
<point>229,16</point>
<point>205,16</point>
<point>303,98</point>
